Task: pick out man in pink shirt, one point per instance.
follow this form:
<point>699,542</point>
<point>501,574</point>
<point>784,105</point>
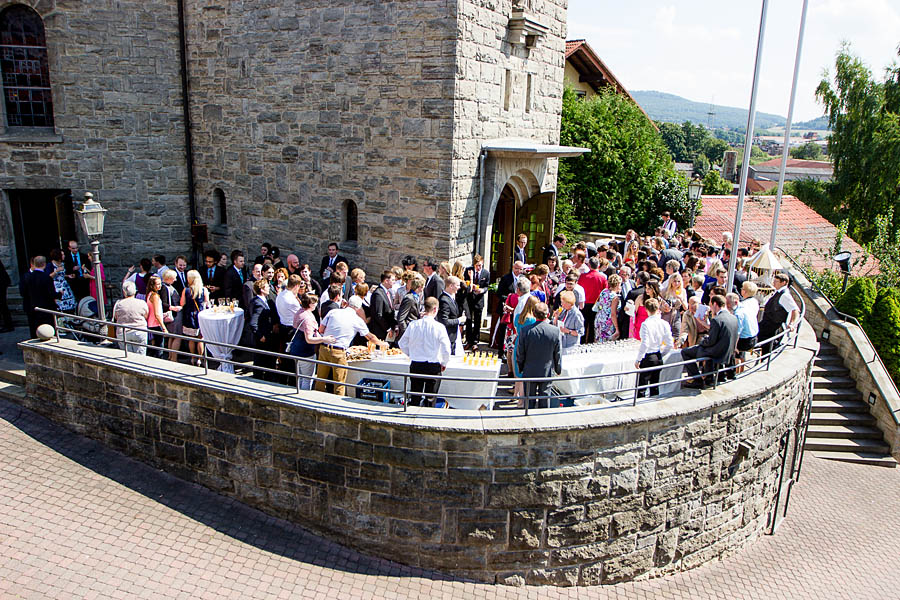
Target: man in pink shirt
<point>593,283</point>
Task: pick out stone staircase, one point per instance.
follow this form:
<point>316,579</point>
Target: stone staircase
<point>840,425</point>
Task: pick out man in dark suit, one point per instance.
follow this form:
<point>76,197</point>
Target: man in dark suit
<point>329,263</point>
<point>213,275</point>
<point>409,305</point>
<point>480,279</point>
<point>519,250</point>
<point>247,292</point>
<point>383,318</point>
<point>554,248</point>
<point>505,286</point>
<point>6,324</point>
<point>718,346</point>
<point>450,315</point>
<point>434,285</point>
<point>38,291</point>
<point>181,274</point>
<point>260,324</point>
<point>233,278</point>
<point>540,355</point>
<point>333,300</point>
<point>74,263</point>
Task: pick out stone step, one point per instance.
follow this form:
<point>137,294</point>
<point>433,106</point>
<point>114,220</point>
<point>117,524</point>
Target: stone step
<point>847,445</point>
<point>839,406</point>
<point>12,372</point>
<point>833,382</point>
<point>852,432</point>
<point>836,394</point>
<point>11,391</point>
<point>830,371</point>
<point>830,360</point>
<point>827,348</point>
<point>841,418</point>
<point>861,458</point>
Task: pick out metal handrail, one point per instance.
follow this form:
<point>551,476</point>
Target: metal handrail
<point>760,361</point>
<point>845,317</point>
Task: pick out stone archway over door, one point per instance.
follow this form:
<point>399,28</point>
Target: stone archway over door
<point>534,218</point>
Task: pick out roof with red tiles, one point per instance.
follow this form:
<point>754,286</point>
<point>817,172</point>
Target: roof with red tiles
<point>796,163</point>
<point>760,185</point>
<point>802,232</point>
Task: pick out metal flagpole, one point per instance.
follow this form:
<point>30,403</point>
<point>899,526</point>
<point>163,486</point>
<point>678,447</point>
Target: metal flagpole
<point>787,127</point>
<point>748,144</point>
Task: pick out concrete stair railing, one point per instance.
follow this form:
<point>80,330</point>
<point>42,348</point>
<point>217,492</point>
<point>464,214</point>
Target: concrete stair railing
<point>840,425</point>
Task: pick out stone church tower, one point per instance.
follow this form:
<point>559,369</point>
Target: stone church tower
<point>419,127</point>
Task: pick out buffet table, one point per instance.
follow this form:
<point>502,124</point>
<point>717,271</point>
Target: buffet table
<point>221,326</point>
<point>393,367</point>
<point>606,359</point>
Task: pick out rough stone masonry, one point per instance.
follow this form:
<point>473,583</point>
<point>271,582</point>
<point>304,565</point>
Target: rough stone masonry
<point>563,498</point>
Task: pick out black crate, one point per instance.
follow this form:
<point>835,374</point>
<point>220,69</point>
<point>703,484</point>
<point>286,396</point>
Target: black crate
<point>374,389</point>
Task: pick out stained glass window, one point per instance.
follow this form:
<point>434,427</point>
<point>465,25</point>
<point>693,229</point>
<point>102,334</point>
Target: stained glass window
<point>25,69</point>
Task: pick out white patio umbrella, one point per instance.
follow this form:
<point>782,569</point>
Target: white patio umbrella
<point>764,263</point>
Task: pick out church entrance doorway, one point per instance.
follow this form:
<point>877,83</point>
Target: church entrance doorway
<point>42,220</point>
<point>534,218</point>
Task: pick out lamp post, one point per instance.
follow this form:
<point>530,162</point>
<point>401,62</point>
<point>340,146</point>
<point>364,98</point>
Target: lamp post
<point>92,216</point>
<point>695,189</point>
<point>843,260</point>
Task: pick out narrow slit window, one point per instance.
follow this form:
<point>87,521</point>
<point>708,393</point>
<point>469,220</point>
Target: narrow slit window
<point>528,94</point>
<point>220,206</point>
<point>351,221</point>
<point>507,89</point>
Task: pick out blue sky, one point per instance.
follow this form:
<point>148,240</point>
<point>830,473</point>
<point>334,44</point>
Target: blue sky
<point>704,50</point>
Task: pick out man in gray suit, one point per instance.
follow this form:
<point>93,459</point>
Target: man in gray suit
<point>540,355</point>
<point>718,346</point>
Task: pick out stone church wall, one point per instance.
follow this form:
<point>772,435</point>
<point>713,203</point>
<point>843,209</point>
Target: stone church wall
<point>117,107</point>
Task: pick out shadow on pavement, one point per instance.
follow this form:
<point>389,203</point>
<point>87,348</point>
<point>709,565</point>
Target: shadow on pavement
<point>226,515</point>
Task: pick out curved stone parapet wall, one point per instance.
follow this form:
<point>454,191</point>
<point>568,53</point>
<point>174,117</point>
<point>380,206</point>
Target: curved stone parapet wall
<point>577,497</point>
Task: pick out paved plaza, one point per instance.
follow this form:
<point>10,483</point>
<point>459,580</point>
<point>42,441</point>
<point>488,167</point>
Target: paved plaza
<point>80,521</point>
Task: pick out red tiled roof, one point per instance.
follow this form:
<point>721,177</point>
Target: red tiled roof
<point>760,185</point>
<point>797,163</point>
<point>572,46</point>
<point>802,232</point>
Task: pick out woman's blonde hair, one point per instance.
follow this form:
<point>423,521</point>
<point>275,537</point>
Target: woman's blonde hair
<point>195,283</point>
<point>458,269</point>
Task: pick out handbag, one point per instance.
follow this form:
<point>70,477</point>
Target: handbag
<point>168,317</point>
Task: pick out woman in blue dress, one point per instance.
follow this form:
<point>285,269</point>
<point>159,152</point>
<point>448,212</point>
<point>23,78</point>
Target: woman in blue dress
<point>523,320</point>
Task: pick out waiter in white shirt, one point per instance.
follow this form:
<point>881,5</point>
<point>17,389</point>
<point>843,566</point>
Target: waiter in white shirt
<point>656,335</point>
<point>427,345</point>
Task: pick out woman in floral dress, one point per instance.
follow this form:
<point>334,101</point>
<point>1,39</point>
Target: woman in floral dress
<point>607,306</point>
<point>57,271</point>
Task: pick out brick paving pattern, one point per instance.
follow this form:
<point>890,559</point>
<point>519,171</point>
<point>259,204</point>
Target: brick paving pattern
<point>80,521</point>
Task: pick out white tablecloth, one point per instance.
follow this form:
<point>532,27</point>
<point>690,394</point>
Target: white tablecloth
<point>223,327</point>
<point>390,368</point>
<point>615,360</point>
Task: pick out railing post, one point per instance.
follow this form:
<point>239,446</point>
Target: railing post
<point>124,342</point>
<point>297,373</point>
<point>56,326</point>
<point>405,399</point>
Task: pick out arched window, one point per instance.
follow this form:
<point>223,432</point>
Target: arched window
<point>25,69</point>
<point>351,221</point>
<point>220,207</point>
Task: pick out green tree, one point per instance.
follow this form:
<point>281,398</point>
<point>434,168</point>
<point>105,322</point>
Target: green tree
<point>858,300</point>
<point>612,187</point>
<point>715,185</point>
<point>673,137</point>
<point>701,165</point>
<point>885,330</point>
<point>886,248</point>
<point>808,151</point>
<point>671,194</point>
<point>864,117</point>
<point>714,149</point>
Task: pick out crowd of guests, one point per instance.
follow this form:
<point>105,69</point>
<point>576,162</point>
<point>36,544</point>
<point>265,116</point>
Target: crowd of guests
<point>666,290</point>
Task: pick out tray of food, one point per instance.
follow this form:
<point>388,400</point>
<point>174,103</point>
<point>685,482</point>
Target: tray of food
<point>355,353</point>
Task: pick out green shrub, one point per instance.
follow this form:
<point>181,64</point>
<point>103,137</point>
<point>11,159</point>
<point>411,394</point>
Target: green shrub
<point>858,300</point>
<point>883,329</point>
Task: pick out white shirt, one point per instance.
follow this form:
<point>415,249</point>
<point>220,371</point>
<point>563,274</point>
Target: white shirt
<point>747,313</point>
<point>577,290</point>
<point>670,226</point>
<point>787,301</point>
<point>656,335</point>
<point>287,306</point>
<point>344,324</point>
<point>426,340</point>
<point>161,271</point>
